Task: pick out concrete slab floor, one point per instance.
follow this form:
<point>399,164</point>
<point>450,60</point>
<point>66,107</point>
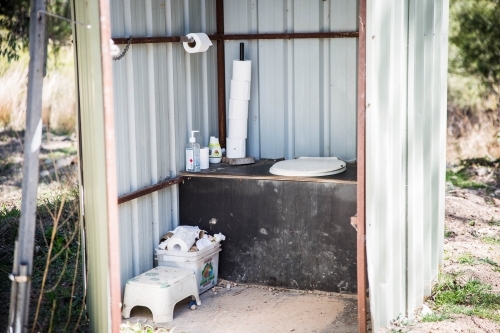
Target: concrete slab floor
<point>250,308</point>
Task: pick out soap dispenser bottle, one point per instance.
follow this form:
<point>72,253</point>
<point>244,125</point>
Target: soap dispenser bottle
<point>214,150</point>
<point>193,154</point>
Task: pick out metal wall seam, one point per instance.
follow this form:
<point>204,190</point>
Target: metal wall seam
<point>204,82</point>
<point>187,78</point>
<point>415,157</point>
<point>132,161</point>
<point>289,83</point>
<point>436,137</point>
<point>174,190</point>
<point>152,124</point>
<point>325,83</point>
<point>427,138</point>
<point>398,33</point>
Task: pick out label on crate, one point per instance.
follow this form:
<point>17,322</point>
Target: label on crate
<point>207,274</point>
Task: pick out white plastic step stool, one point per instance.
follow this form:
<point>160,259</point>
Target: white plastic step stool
<point>159,290</point>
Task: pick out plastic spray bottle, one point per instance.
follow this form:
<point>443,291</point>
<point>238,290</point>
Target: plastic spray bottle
<point>193,154</point>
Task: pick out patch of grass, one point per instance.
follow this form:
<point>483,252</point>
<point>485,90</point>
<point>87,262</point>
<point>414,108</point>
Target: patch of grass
<point>471,297</point>
<point>466,259</point>
<point>434,317</point>
<point>57,292</point>
<point>461,179</point>
<point>449,234</point>
<point>491,240</point>
<point>489,261</point>
<point>5,165</point>
<point>494,222</point>
<point>57,154</point>
<point>69,151</point>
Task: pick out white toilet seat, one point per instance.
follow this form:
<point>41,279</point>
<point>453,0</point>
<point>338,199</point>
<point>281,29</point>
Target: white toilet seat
<point>309,167</point>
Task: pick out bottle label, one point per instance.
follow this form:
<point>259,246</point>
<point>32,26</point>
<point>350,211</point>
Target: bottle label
<point>214,151</point>
<point>189,160</point>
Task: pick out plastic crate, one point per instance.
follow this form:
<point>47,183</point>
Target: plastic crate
<point>204,263</point>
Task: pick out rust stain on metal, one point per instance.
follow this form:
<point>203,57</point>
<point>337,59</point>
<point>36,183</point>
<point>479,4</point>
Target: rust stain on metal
<point>110,166</point>
<point>361,196</point>
<point>149,189</point>
<point>295,35</point>
<point>220,36</point>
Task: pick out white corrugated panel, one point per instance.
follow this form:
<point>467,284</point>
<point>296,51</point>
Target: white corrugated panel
<point>303,91</point>
<point>426,142</point>
<point>406,116</point>
<point>161,93</point>
<point>386,158</point>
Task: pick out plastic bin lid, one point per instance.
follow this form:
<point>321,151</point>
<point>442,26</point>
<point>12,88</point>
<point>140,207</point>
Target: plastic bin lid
<point>191,255</point>
<point>309,167</point>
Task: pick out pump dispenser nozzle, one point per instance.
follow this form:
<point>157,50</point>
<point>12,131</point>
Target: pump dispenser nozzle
<point>192,138</point>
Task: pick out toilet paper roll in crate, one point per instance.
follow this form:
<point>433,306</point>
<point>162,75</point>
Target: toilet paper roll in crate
<point>238,109</point>
<point>235,148</point>
<point>238,128</point>
<point>242,70</point>
<point>182,240</point>
<point>240,90</point>
<point>201,43</point>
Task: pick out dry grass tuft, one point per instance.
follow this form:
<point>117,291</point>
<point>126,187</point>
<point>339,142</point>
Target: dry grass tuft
<point>472,134</point>
<point>473,121</point>
<point>58,111</point>
<point>58,100</point>
<point>13,96</point>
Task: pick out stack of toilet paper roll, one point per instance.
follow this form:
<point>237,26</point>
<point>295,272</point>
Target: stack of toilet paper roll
<point>238,109</point>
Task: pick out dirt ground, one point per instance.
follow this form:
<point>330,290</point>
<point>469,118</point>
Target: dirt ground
<point>471,216</point>
<point>247,308</point>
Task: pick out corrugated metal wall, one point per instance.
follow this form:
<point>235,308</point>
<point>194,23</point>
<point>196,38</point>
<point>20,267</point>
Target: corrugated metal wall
<point>303,97</point>
<point>91,123</point>
<point>161,93</point>
<point>303,93</point>
<point>406,127</point>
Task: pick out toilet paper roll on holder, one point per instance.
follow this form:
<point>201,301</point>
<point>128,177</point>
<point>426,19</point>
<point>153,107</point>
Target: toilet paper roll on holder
<point>186,39</point>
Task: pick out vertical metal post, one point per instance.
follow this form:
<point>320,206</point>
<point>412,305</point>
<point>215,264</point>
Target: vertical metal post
<point>361,195</point>
<point>111,176</point>
<point>13,292</point>
<point>32,140</point>
<point>221,72</point>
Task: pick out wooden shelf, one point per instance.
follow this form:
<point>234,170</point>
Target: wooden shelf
<point>260,170</point>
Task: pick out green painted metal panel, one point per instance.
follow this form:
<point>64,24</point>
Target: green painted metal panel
<point>91,124</point>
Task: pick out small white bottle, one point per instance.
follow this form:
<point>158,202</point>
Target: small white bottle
<point>214,150</point>
<point>193,154</point>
